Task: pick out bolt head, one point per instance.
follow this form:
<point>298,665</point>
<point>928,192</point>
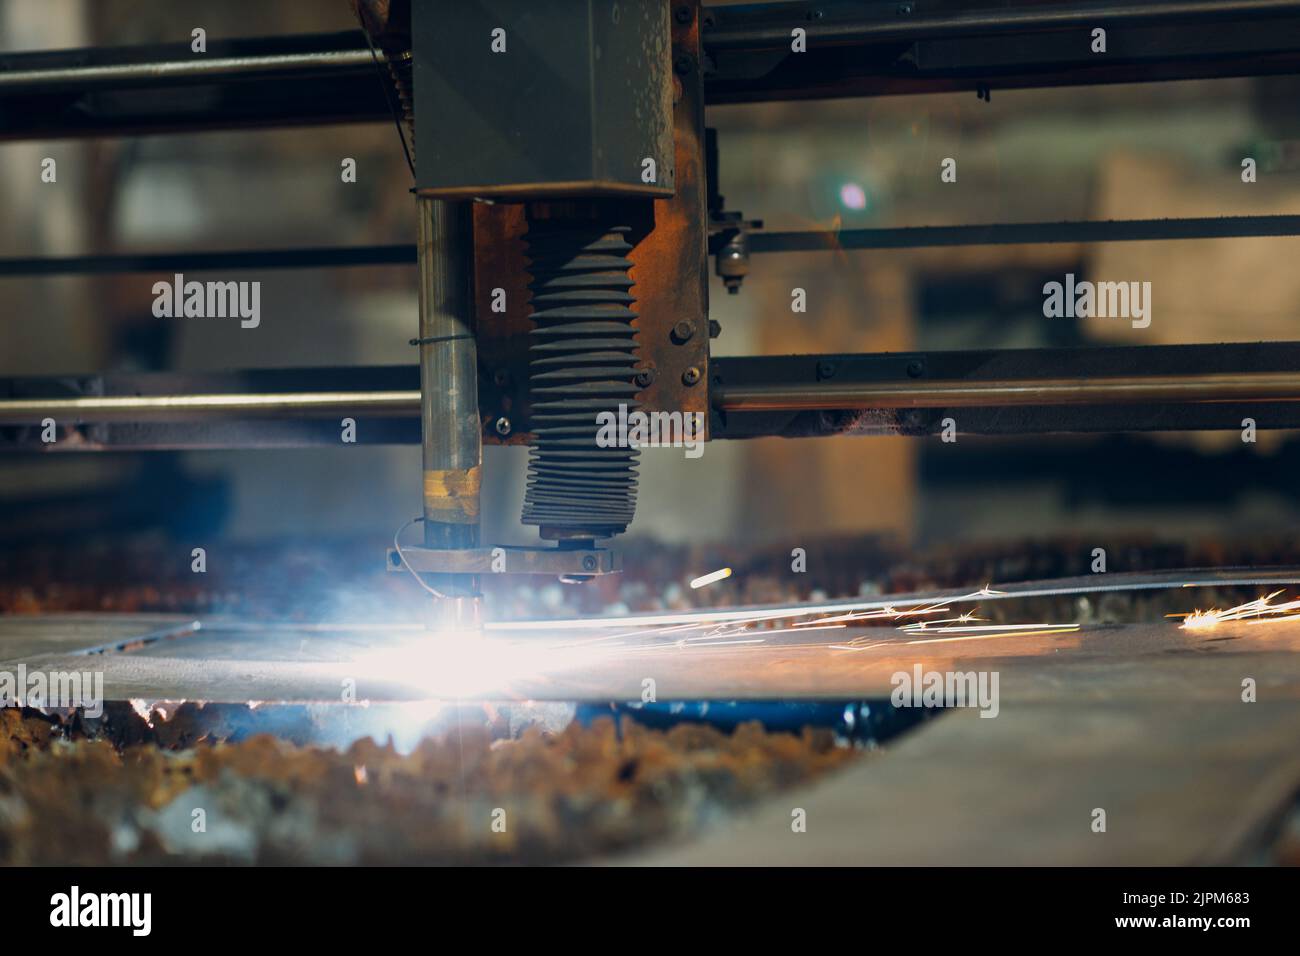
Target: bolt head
<point>503,426</point>
<point>683,330</point>
<point>682,15</point>
<point>825,369</point>
<point>691,376</point>
<point>588,563</point>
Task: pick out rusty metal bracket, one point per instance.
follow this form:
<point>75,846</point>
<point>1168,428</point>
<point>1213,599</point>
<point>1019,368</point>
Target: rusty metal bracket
<point>671,265</point>
<point>670,271</point>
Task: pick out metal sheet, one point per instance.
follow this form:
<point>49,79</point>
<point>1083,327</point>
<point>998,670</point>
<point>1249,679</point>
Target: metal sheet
<point>748,654</point>
<point>24,635</point>
<point>1182,783</point>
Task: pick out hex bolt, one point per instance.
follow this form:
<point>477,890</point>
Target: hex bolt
<point>503,426</point>
<point>683,331</point>
<point>715,328</point>
<point>691,376</point>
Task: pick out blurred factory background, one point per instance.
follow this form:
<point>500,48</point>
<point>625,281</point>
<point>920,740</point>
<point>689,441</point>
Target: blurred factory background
<point>1143,151</point>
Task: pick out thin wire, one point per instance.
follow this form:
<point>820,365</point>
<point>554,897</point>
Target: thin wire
<point>432,339</point>
<point>384,80</point>
<point>407,564</point>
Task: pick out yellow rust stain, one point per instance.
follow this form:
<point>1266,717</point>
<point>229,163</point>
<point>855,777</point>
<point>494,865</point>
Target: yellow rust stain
<point>452,494</point>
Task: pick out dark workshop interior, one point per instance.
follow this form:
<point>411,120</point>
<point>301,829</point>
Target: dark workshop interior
<point>309,316</point>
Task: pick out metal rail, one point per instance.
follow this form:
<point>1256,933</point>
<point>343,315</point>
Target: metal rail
<point>186,408</point>
<point>305,258</point>
<point>1014,233</point>
<point>767,26</point>
<point>810,240</point>
<point>782,396</point>
<point>1232,387</point>
<point>193,70</point>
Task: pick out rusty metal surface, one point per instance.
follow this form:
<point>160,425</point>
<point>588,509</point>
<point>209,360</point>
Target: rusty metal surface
<point>670,266</point>
<point>501,263</point>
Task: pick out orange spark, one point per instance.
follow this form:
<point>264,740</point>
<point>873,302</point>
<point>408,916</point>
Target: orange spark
<point>1262,610</point>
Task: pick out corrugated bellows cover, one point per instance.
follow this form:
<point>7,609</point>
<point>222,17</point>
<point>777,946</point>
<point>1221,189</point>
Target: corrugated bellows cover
<point>582,362</point>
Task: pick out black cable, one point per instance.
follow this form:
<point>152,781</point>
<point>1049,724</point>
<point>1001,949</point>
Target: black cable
<point>388,96</point>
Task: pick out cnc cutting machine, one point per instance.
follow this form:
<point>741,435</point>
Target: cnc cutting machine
<point>570,211</point>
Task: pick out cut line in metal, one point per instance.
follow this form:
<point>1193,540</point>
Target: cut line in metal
<point>1114,581</point>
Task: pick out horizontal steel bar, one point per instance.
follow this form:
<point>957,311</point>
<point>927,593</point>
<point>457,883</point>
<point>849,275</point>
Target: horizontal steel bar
<point>183,408</point>
<point>904,237</point>
<point>1015,233</point>
<point>194,70</point>
<point>285,81</point>
<point>1253,387</point>
<point>1180,387</point>
<point>1232,387</point>
<point>768,26</point>
<point>251,259</point>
